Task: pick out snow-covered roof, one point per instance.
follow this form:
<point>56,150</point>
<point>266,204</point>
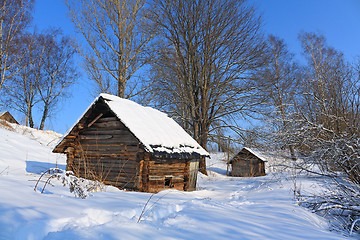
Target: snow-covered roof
<point>154,129</point>
<point>254,152</point>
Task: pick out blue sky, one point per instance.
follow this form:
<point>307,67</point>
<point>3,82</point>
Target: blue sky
<point>337,20</point>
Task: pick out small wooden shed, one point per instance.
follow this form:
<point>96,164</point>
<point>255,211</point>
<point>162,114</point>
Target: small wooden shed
<point>247,163</point>
<point>121,143</point>
<point>7,117</point>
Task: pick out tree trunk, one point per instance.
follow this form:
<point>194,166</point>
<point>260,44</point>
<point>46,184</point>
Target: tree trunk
<point>292,152</point>
<point>30,119</point>
<point>44,116</point>
<point>202,162</point>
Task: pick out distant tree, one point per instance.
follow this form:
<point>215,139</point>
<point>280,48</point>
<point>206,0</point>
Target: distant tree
<point>328,112</point>
<point>328,128</point>
<point>279,80</point>
<point>209,49</point>
<point>326,83</point>
<point>43,75</point>
<point>14,18</point>
<point>118,36</point>
<point>22,89</point>
<point>56,72</point>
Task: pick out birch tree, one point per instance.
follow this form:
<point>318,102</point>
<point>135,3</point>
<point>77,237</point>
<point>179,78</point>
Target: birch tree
<point>279,80</point>
<point>328,114</point>
<point>117,38</point>
<point>22,89</point>
<point>43,75</point>
<point>56,72</point>
<point>14,18</point>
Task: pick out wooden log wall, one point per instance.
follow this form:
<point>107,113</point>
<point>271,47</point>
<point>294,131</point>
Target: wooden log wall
<point>106,151</point>
<point>246,165</point>
<point>175,170</point>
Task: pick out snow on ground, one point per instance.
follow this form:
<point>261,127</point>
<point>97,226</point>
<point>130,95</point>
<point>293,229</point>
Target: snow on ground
<point>222,207</point>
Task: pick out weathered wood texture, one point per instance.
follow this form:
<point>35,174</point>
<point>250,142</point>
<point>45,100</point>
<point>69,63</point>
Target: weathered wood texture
<point>167,173</point>
<point>245,164</point>
<point>101,148</point>
<point>106,151</point>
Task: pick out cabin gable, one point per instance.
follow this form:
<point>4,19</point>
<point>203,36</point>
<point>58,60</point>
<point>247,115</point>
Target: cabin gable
<point>105,150</point>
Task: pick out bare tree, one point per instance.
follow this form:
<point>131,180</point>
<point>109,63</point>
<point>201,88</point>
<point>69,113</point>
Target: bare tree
<point>327,81</point>
<point>23,90</point>
<point>14,18</point>
<point>118,34</point>
<point>56,72</point>
<point>279,79</point>
<point>328,130</point>
<point>210,48</point>
<point>43,75</point>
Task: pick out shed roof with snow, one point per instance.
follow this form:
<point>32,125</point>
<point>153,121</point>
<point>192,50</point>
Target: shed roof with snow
<point>248,163</point>
<point>124,144</point>
<point>154,129</point>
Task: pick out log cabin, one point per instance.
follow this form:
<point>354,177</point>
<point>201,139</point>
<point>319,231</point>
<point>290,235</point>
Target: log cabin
<point>121,143</point>
<point>247,163</point>
<point>7,117</point>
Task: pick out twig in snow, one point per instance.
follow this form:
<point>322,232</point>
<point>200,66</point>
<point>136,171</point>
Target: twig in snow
<point>143,211</point>
<point>4,170</point>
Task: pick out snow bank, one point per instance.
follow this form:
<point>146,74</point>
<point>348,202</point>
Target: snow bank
<point>48,138</point>
<point>222,208</point>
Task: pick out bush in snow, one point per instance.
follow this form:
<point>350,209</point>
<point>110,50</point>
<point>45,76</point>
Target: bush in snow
<point>78,186</point>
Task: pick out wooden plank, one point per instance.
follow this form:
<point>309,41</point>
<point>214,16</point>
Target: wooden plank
<point>175,170</point>
<point>105,175</point>
<point>114,168</point>
<point>113,160</point>
<point>167,173</point>
<point>105,143</point>
<point>95,137</point>
<point>108,124</point>
<point>99,154</point>
<point>162,178</point>
<point>170,161</point>
<point>108,119</point>
<point>166,167</point>
<point>105,131</point>
<point>130,140</point>
<point>109,142</point>
<point>115,142</point>
<point>119,165</point>
<point>114,148</point>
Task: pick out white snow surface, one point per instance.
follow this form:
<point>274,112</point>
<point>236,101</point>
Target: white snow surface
<point>154,129</point>
<point>222,207</point>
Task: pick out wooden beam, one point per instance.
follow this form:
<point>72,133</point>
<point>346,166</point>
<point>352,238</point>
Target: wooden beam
<point>95,137</point>
<point>92,122</point>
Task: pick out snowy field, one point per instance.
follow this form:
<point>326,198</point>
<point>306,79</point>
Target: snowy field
<point>222,208</point>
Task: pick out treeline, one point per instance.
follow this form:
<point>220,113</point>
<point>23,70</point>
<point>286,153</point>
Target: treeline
<point>313,108</point>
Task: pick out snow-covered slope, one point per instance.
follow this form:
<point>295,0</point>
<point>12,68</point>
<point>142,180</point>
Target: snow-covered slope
<point>222,208</point>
